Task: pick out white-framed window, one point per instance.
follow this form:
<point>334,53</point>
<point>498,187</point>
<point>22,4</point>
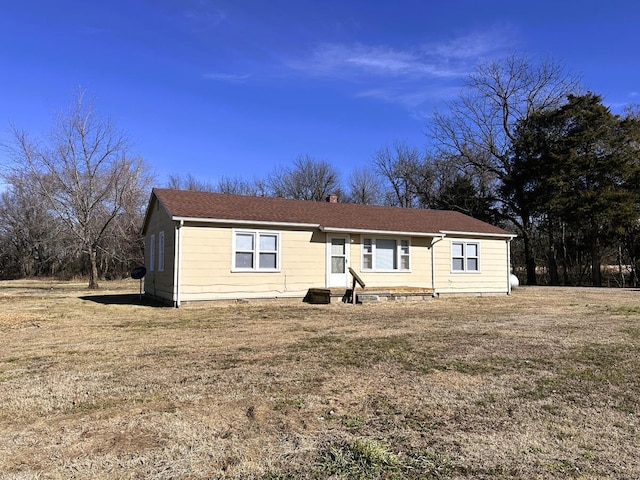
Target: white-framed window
<point>256,251</point>
<point>367,254</point>
<point>161,251</point>
<point>152,253</point>
<point>386,254</point>
<point>465,257</point>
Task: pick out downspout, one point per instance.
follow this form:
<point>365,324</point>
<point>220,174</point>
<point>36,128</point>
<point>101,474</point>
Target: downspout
<point>178,264</point>
<point>433,265</point>
<point>509,266</point>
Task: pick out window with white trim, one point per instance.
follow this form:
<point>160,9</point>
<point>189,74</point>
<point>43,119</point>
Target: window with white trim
<point>161,251</point>
<point>256,251</point>
<point>465,257</point>
<point>386,254</point>
<point>152,253</point>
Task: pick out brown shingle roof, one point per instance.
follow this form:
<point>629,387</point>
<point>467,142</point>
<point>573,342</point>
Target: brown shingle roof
<point>216,206</point>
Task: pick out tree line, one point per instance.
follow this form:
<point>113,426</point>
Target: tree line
<point>522,146</point>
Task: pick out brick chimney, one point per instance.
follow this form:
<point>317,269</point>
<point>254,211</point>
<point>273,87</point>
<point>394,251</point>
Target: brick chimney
<point>333,198</point>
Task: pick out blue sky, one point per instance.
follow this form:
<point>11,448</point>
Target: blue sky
<point>236,88</point>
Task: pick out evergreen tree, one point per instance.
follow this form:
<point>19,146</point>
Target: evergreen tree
<point>578,165</point>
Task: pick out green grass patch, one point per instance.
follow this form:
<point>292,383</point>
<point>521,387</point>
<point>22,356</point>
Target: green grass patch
<point>591,375</point>
<point>352,423</point>
<point>366,458</point>
<point>361,459</point>
<point>632,309</point>
<point>633,332</point>
<point>335,351</point>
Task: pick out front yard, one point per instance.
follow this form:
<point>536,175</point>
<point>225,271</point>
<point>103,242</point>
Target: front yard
<point>540,384</point>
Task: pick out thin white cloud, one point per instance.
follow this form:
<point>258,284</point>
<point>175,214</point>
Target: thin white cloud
<point>411,96</point>
<point>407,98</point>
<point>226,77</point>
<point>411,78</point>
<point>203,16</point>
<point>356,60</point>
<point>447,59</point>
<point>471,47</point>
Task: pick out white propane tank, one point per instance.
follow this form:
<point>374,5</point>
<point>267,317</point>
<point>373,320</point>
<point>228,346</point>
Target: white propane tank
<point>514,281</point>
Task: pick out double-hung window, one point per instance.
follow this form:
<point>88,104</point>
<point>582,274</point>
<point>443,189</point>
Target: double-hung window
<point>384,254</point>
<point>256,251</point>
<point>465,256</point>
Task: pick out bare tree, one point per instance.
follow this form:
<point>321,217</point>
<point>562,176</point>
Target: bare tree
<point>365,187</point>
<point>239,186</point>
<point>479,128</point>
<point>632,110</point>
<point>308,179</point>
<point>84,172</point>
<point>33,242</point>
<point>407,174</point>
<point>189,182</point>
<point>480,125</point>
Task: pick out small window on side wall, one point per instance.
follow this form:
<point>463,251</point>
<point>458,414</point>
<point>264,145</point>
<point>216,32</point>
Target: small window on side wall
<point>161,251</point>
<point>152,253</point>
<point>465,257</point>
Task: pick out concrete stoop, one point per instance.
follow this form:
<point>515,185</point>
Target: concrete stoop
<point>373,297</point>
<point>377,294</point>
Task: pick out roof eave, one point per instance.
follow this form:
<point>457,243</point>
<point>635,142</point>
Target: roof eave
<point>510,236</point>
<point>245,222</point>
<point>381,232</point>
<point>147,213</point>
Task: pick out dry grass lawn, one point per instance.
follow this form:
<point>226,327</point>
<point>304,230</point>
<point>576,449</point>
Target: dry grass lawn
<point>541,384</point>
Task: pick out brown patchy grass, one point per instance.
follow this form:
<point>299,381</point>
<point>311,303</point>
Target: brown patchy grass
<point>541,384</point>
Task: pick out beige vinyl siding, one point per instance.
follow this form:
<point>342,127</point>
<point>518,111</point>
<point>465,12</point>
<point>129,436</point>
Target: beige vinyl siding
<point>160,283</point>
<point>420,261</point>
<point>493,275</point>
<point>207,261</point>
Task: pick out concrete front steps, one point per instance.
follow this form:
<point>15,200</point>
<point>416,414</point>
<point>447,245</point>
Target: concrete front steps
<point>383,294</point>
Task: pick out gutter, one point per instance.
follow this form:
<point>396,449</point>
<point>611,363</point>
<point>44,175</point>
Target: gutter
<point>510,236</point>
<point>379,232</point>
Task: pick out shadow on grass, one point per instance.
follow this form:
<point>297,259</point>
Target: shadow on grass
<point>124,299</point>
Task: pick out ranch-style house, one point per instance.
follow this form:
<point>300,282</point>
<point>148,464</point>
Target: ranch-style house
<point>212,246</point>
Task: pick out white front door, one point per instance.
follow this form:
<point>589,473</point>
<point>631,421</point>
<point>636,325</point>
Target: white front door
<point>338,247</point>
